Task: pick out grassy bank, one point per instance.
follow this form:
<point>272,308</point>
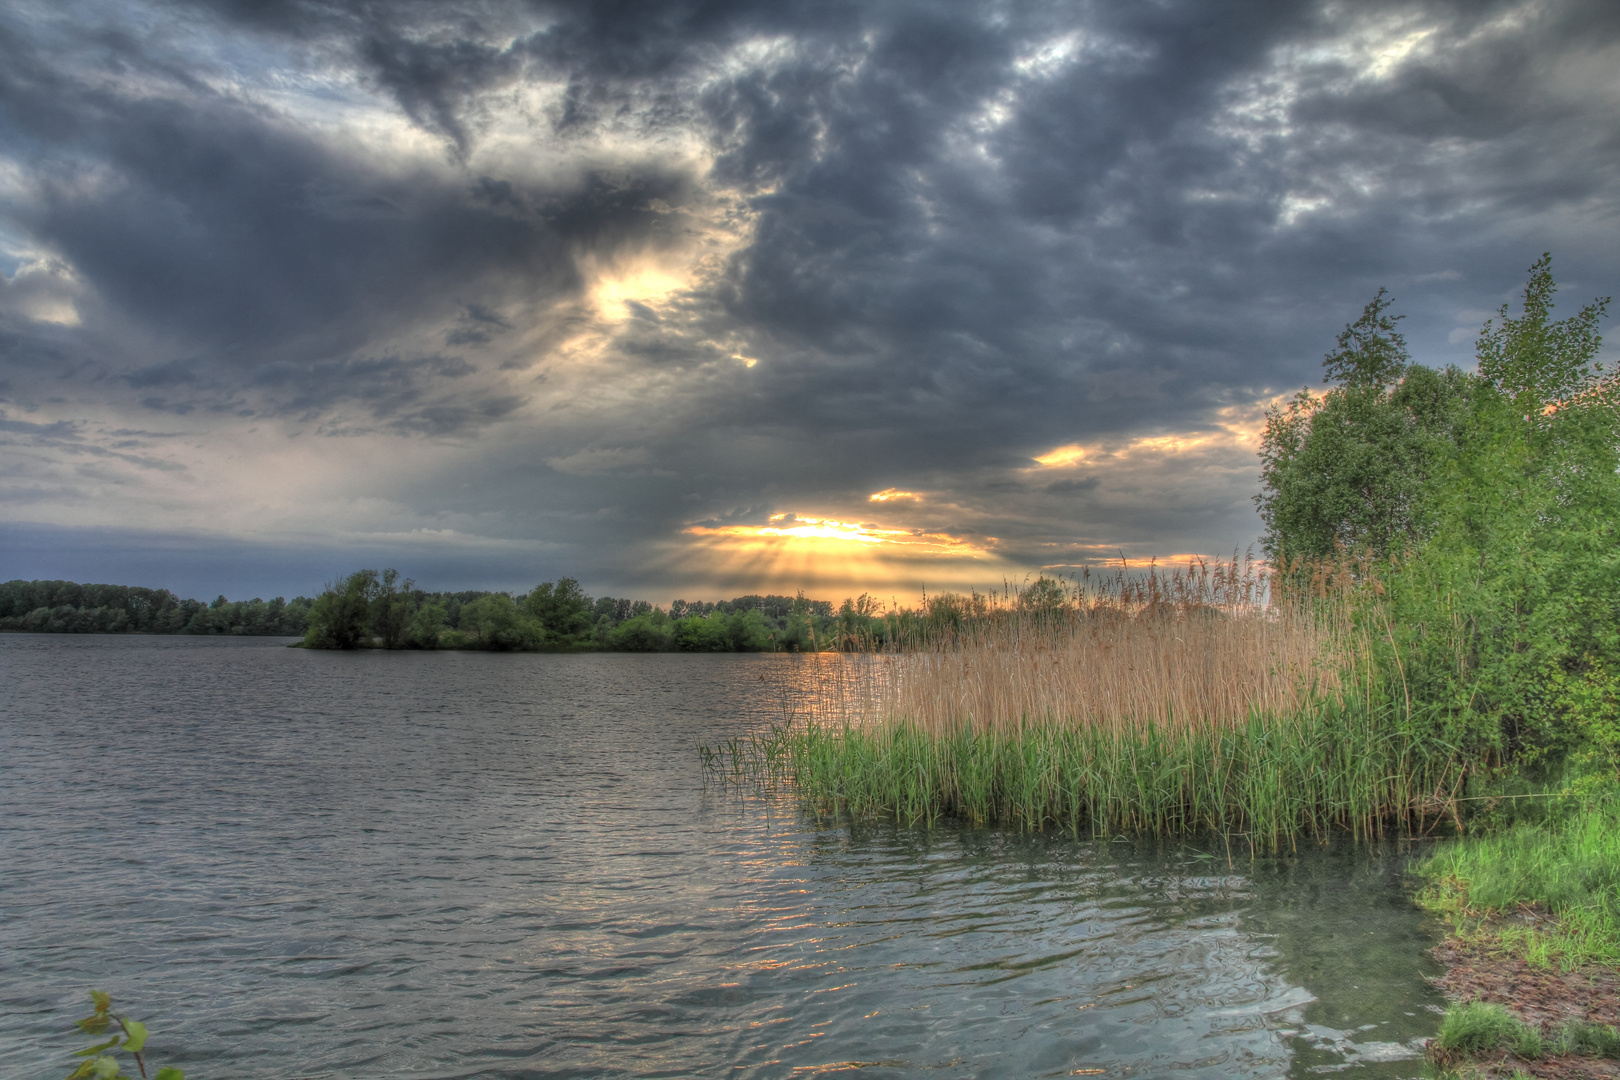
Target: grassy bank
<point>1534,960</point>
<point>1548,891</point>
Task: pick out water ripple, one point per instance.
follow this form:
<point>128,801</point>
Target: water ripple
<point>447,865</point>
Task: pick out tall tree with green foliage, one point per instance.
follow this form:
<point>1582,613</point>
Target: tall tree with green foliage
<point>392,606</point>
<point>1526,556</point>
<point>1352,468</point>
<point>1488,504</point>
<point>340,618</point>
<point>562,610</point>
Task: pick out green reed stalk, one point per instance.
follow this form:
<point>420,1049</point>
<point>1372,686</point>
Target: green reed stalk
<point>1331,766</point>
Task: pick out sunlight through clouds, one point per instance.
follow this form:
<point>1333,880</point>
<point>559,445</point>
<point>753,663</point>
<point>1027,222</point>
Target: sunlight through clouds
<point>791,551</point>
<point>614,292</point>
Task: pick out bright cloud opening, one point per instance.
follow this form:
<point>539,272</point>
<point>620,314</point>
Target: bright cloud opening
<point>648,286</point>
<point>790,527</point>
<point>1072,454</point>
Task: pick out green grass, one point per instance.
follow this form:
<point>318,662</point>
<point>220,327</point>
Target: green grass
<point>1270,779</point>
<point>1580,1037</point>
<point>1478,1028</point>
<point>1568,868</point>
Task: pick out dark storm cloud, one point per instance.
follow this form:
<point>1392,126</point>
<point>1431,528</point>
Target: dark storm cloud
<point>207,219</point>
<point>973,233</point>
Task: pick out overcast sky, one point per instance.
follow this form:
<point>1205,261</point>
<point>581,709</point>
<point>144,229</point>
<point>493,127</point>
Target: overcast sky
<point>709,298</point>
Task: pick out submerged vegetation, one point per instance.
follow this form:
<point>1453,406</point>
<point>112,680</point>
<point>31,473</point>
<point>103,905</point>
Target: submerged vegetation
<point>1439,616</point>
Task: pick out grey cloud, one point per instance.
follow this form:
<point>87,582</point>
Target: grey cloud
<point>971,234</point>
<point>61,429</point>
<point>174,373</point>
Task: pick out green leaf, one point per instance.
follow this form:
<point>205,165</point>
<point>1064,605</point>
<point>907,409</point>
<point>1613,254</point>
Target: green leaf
<point>93,1025</point>
<point>137,1036</point>
<point>169,1072</point>
<point>104,1068</point>
<point>103,1000</point>
<point>92,1051</point>
<point>82,1071</point>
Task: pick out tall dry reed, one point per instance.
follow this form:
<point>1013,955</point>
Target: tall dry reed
<point>1187,648</point>
<point>1168,704</point>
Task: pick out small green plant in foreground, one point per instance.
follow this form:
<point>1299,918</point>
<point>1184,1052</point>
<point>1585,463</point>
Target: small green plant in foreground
<point>130,1038</point>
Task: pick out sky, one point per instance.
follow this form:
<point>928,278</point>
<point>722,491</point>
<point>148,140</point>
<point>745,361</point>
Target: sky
<point>703,299</point>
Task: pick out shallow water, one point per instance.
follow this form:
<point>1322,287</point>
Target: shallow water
<point>305,864</point>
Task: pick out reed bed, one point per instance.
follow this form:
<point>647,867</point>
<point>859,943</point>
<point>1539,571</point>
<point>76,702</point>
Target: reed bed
<point>1174,704</point>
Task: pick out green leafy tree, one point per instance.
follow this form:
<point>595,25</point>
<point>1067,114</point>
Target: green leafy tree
<point>649,631</point>
<point>1354,468</point>
<point>340,618</point>
<point>495,622</point>
<point>427,625</point>
<point>1489,505</point>
<point>1526,557</point>
<point>392,605</point>
<point>562,610</point>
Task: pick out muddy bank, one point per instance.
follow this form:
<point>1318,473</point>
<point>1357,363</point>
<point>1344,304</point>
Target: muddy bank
<point>1544,997</point>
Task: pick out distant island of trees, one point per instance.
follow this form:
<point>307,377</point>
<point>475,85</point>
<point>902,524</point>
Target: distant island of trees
<point>379,609</point>
<point>372,609</point>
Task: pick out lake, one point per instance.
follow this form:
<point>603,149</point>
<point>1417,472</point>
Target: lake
<point>310,864</point>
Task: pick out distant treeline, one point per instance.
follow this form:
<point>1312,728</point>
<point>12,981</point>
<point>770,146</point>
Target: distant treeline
<point>66,607</point>
<point>372,609</point>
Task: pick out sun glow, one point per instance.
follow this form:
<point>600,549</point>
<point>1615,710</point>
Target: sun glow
<point>1072,454</point>
<point>617,295</point>
<point>1234,429</point>
<point>790,551</point>
<point>790,527</point>
<point>890,494</point>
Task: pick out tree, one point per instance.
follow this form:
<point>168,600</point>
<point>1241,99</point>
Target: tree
<point>1488,504</point>
<point>497,623</point>
<point>1539,364</point>
<point>562,609</point>
<point>426,626</point>
<point>392,606</point>
<point>1371,352</point>
<point>340,617</point>
<point>1350,469</point>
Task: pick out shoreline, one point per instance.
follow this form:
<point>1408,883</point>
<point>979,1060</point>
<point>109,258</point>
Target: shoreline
<point>1478,969</point>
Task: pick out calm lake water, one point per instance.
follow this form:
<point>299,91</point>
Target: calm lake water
<point>305,864</point>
